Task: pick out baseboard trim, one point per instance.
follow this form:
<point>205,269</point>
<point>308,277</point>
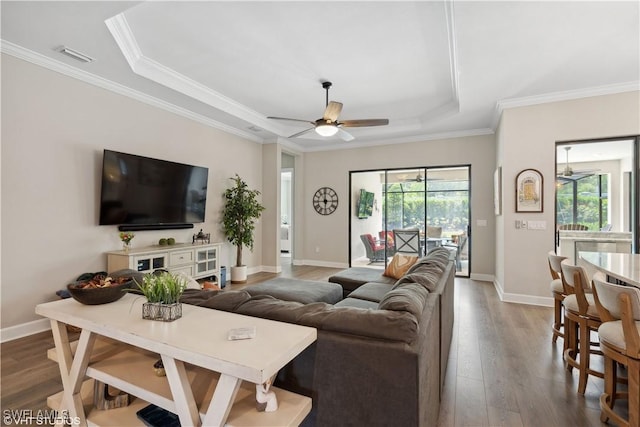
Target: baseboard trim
<point>482,277</point>
<point>271,269</point>
<point>24,329</point>
<point>521,298</point>
<point>316,263</point>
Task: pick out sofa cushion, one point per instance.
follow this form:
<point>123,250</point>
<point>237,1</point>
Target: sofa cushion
<point>371,291</point>
<point>358,303</point>
<point>399,265</point>
<point>354,277</point>
<point>438,257</point>
<point>304,291</point>
<point>409,297</point>
<point>382,324</point>
<point>219,300</point>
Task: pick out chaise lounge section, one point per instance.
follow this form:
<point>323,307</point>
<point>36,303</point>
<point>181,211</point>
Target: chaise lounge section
<point>377,359</point>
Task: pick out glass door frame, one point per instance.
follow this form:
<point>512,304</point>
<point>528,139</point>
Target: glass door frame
<point>425,170</point>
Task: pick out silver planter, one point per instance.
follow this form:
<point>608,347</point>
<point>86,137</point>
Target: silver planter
<point>161,311</point>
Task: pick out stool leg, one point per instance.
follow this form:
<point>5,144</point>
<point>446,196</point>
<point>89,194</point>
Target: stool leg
<point>584,357</point>
<point>633,373</point>
<point>557,318</point>
<point>608,397</point>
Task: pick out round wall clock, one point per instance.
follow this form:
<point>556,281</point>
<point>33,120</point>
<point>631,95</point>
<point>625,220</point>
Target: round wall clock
<point>325,201</point>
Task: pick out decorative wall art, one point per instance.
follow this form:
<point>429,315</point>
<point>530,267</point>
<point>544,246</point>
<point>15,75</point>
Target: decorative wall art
<point>529,187</point>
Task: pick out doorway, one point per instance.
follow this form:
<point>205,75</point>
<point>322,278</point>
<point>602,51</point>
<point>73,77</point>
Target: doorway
<point>433,200</point>
<point>596,192</point>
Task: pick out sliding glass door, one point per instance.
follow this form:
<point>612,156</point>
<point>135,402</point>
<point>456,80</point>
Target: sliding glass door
<point>432,200</point>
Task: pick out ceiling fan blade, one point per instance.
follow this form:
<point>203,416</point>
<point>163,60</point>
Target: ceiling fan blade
<point>295,135</point>
<point>291,120</point>
<point>365,122</point>
<point>332,111</point>
<point>344,135</point>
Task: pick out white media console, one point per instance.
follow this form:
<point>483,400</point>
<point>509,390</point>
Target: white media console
<point>197,260</point>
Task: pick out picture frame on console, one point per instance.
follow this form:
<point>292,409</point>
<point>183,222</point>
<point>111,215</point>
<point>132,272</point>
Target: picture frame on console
<point>529,191</point>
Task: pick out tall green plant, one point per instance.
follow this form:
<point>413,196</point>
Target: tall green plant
<point>241,210</point>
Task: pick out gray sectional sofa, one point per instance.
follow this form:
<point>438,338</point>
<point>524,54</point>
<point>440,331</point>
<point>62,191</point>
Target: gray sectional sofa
<point>381,352</point>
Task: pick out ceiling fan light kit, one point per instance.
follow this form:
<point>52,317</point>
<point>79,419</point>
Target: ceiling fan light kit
<point>326,129</point>
<point>329,125</point>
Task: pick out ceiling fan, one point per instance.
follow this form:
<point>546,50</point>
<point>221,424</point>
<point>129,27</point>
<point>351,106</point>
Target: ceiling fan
<point>568,172</point>
<point>329,125</point>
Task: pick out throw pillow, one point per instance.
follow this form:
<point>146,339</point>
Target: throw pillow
<point>399,265</point>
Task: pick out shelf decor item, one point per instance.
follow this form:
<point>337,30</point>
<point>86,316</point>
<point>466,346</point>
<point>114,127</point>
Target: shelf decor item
<point>163,291</point>
<point>126,237</point>
<point>241,210</point>
<point>99,289</point>
<point>529,187</point>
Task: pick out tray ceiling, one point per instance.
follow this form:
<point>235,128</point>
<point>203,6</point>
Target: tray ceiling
<point>433,68</point>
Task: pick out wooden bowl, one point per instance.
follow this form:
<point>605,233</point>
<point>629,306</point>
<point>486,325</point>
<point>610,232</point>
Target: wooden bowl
<point>98,295</point>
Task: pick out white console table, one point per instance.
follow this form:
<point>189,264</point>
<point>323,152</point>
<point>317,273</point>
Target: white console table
<point>196,260</point>
<point>190,347</point>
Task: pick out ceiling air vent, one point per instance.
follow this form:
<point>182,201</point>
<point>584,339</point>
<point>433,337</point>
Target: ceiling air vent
<point>75,54</point>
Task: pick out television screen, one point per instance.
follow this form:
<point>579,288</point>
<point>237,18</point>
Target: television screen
<point>365,204</point>
<point>139,190</point>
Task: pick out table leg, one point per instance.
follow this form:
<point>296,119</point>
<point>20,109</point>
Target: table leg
<point>72,369</point>
<point>222,400</point>
<point>181,390</point>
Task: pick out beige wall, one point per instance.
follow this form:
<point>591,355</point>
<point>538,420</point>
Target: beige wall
<point>54,129</point>
<point>526,139</point>
<point>326,240</point>
<point>271,183</point>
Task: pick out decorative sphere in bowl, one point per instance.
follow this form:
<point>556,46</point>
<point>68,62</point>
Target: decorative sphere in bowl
<point>100,289</point>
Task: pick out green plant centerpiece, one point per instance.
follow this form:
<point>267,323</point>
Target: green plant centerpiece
<point>241,210</point>
<point>162,291</point>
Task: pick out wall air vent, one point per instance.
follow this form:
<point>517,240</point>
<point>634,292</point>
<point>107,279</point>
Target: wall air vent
<point>75,54</point>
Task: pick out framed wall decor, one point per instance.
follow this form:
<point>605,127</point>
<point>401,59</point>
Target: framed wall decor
<point>529,187</point>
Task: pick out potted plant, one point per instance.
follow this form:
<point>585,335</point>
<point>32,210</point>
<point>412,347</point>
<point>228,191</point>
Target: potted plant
<point>241,210</point>
<point>163,291</point>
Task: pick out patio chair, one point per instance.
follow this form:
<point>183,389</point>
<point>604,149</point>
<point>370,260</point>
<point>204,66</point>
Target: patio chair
<point>375,252</point>
<point>407,241</point>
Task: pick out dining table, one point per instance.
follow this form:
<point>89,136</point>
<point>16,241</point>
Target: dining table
<point>624,268</point>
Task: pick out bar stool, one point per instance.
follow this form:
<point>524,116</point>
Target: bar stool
<point>580,318</point>
<point>620,343</point>
<point>559,293</point>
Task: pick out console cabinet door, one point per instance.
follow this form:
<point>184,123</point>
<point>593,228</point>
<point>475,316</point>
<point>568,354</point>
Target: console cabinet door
<point>206,261</point>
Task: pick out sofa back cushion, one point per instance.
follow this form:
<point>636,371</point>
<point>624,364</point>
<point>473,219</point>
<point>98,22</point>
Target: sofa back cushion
<point>382,324</point>
<point>409,297</point>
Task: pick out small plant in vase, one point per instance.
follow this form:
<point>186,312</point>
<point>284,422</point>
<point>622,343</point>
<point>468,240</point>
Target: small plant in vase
<point>162,291</point>
<point>126,237</point>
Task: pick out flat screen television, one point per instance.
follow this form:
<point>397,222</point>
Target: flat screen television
<point>365,204</point>
<point>147,193</point>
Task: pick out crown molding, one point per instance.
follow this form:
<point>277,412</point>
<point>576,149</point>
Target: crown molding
<point>562,96</point>
<point>403,140</point>
<point>70,71</point>
<point>161,74</point>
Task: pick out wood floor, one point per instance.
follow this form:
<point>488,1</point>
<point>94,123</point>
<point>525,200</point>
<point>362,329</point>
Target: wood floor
<point>503,369</point>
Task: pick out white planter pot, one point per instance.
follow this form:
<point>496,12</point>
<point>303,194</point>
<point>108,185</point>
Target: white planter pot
<point>239,274</point>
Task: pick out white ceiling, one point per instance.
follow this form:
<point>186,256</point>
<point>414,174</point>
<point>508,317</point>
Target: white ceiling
<point>433,68</point>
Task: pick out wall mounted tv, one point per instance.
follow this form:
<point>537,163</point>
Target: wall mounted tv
<point>365,204</point>
<point>141,193</point>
